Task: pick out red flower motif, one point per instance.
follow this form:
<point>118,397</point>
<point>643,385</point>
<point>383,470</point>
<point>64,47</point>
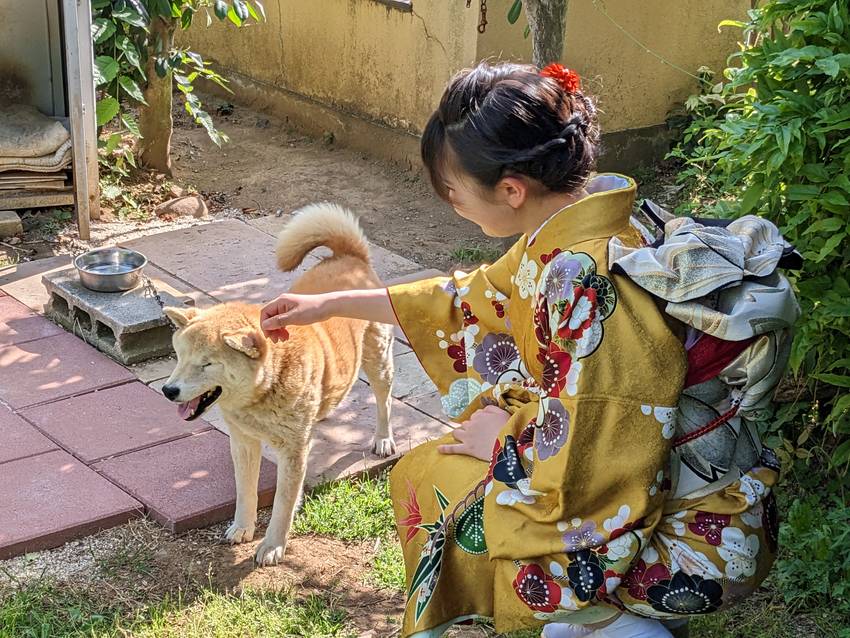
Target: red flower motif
<point>545,259</point>
<point>710,526</point>
<point>541,323</point>
<point>526,438</point>
<point>639,578</point>
<point>457,352</point>
<point>499,307</point>
<point>567,78</point>
<point>468,317</point>
<point>537,589</point>
<point>414,515</point>
<point>556,366</point>
<point>584,302</point>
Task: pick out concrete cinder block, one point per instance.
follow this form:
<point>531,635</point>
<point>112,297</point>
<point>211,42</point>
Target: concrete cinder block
<point>128,326</point>
<point>10,224</point>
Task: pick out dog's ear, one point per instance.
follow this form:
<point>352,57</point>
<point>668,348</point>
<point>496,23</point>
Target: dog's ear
<point>180,316</point>
<point>247,341</point>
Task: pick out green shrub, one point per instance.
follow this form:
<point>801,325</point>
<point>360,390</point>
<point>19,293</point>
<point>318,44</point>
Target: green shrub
<point>773,139</point>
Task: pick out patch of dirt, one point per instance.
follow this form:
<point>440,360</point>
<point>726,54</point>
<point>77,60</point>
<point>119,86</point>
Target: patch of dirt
<point>267,167</point>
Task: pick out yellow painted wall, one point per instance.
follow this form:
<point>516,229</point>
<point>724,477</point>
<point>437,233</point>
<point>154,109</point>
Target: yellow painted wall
<point>635,88</point>
<point>375,61</point>
<point>358,55</point>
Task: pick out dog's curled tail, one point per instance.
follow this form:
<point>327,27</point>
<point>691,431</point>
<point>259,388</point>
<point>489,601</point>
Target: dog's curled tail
<point>320,225</point>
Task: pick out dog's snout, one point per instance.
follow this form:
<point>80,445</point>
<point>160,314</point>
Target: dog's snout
<point>171,392</point>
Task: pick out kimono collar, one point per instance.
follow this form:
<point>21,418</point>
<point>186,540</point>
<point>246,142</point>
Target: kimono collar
<point>603,213</point>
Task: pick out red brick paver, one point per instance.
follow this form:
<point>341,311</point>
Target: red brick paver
<point>53,368</point>
<point>19,324</point>
<point>185,483</point>
<point>18,439</point>
<point>49,499</point>
<point>107,422</point>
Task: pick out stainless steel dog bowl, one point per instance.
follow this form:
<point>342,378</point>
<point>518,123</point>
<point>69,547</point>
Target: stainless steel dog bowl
<point>110,269</point>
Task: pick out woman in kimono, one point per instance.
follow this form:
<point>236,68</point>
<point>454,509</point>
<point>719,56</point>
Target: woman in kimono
<point>550,503</point>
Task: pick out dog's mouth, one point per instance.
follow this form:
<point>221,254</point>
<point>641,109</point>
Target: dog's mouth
<point>191,410</point>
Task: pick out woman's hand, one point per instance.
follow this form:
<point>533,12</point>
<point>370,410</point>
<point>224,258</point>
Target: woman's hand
<point>477,435</point>
<point>292,310</point>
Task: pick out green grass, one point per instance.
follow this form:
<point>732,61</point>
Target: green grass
<point>388,567</point>
<point>48,610</point>
<point>475,254</point>
<point>349,510</point>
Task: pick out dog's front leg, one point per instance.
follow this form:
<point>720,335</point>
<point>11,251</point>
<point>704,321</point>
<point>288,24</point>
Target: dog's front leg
<point>291,468</point>
<point>245,451</point>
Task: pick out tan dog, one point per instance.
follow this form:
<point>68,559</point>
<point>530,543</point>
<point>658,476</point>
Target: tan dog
<point>276,392</point>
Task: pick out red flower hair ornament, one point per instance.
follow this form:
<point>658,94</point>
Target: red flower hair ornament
<point>566,78</point>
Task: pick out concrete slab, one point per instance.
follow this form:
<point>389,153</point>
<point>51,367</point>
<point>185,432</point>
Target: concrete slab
<point>19,324</point>
<point>154,369</point>
<point>128,326</point>
<point>23,281</point>
<point>341,443</point>
<point>179,289</point>
<point>185,483</point>
<point>110,422</point>
<point>51,499</point>
<point>53,368</point>
<point>20,439</point>
<point>431,405</point>
<point>230,260</point>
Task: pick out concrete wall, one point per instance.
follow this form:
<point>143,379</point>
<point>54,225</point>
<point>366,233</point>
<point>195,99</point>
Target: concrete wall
<point>372,73</point>
<point>635,88</point>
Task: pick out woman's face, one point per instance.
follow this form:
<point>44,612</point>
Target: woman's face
<point>471,201</point>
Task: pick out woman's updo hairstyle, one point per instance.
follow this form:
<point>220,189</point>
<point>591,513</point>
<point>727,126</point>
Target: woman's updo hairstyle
<point>508,119</point>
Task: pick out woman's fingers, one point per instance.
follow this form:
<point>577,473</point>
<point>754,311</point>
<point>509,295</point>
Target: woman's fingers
<point>459,448</point>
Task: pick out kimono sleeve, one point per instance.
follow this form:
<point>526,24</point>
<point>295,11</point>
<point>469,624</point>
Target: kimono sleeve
<point>444,317</point>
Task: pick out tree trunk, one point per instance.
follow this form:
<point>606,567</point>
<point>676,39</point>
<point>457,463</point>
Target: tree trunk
<point>548,22</point>
<point>155,123</point>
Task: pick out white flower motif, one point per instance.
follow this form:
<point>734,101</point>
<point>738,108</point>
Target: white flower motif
<point>562,526</point>
<point>572,378</point>
<point>650,555</point>
<point>461,393</point>
<point>753,516</point>
<point>581,313</point>
<point>525,277</point>
<point>512,497</point>
<point>619,521</point>
<point>739,551</point>
<point>556,569</point>
<point>524,486</point>
<point>684,557</point>
<point>752,489</point>
<point>568,601</point>
<point>611,583</point>
<point>620,547</point>
<point>665,416</point>
<point>590,339</point>
<point>678,526</point>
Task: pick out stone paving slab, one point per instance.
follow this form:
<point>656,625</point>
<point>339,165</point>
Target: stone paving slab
<point>23,281</point>
<point>341,443</point>
<point>19,439</point>
<point>114,421</point>
<point>19,324</point>
<point>52,498</point>
<point>185,483</point>
<point>54,368</point>
<point>154,369</point>
<point>199,256</point>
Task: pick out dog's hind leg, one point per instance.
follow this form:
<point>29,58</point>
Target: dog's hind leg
<point>379,368</point>
<point>291,469</point>
<point>245,451</point>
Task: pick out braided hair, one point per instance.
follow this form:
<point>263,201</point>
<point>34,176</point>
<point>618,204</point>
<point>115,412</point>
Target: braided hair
<point>506,119</point>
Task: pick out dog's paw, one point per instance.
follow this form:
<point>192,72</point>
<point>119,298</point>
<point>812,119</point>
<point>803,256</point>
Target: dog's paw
<point>383,447</point>
<point>269,553</point>
<point>236,534</point>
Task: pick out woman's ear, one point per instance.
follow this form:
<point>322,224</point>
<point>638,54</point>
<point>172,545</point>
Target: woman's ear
<point>513,191</point>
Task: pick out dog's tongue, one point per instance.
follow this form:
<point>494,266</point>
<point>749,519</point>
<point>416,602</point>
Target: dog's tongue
<point>187,410</point>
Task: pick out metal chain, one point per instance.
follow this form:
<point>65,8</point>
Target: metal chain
<point>151,290</point>
<point>482,23</point>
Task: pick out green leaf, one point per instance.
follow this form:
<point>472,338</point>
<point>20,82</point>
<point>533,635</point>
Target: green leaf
<point>751,197</point>
<point>129,84</point>
<point>105,69</point>
<point>131,17</point>
<point>130,122</point>
<point>220,9</point>
<point>527,31</point>
<point>730,23</point>
<point>842,381</point>
<point>234,17</point>
<point>111,191</point>
<point>260,8</point>
<point>106,109</point>
<point>131,53</point>
<point>112,143</point>
<point>515,11</point>
<point>101,30</point>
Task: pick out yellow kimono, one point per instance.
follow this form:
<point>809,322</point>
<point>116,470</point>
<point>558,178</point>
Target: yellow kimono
<point>569,521</point>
